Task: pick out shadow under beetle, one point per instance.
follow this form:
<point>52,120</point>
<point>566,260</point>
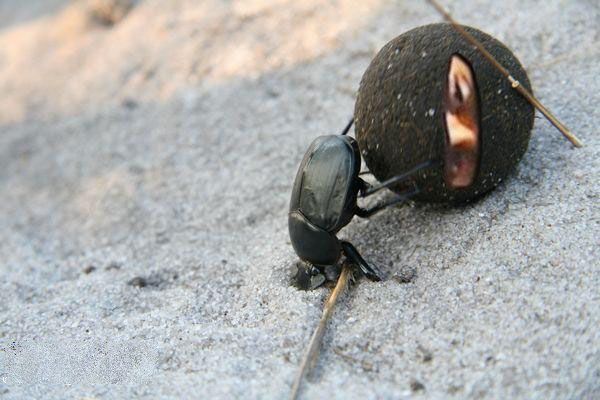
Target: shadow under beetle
<point>324,200</point>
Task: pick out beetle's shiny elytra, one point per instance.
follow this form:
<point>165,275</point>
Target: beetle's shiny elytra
<point>324,197</point>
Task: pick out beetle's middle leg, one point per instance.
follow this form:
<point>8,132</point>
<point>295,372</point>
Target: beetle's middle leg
<point>367,189</point>
<point>367,212</point>
<point>354,256</point>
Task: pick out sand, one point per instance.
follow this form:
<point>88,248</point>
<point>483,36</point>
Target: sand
<point>145,173</point>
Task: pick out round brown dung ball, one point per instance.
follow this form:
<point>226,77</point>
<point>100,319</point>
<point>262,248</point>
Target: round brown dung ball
<point>430,95</point>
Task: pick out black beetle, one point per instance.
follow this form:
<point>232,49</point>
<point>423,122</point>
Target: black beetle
<point>324,200</point>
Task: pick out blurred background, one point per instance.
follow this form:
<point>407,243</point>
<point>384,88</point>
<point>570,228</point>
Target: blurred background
<point>102,52</point>
<point>147,152</point>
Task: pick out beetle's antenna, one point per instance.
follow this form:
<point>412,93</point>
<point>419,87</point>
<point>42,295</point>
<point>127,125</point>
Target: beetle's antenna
<point>399,178</point>
<point>514,83</point>
<point>347,128</point>
<point>310,357</point>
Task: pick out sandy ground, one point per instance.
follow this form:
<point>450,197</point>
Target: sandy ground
<point>145,173</point>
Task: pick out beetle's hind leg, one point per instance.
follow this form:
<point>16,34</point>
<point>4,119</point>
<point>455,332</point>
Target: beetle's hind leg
<point>353,255</point>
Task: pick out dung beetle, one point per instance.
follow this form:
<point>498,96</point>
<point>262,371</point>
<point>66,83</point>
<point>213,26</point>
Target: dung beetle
<point>324,200</point>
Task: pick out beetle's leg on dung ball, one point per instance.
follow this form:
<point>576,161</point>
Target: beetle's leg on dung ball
<point>347,128</point>
<point>371,189</point>
<point>354,256</point>
<point>367,212</point>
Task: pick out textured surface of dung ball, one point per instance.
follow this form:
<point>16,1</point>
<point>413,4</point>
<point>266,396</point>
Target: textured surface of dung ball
<point>399,110</point>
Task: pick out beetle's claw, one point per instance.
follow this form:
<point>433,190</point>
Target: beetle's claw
<point>373,276</point>
<point>370,272</point>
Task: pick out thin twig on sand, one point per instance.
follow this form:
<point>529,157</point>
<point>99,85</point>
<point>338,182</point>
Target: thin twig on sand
<point>310,357</point>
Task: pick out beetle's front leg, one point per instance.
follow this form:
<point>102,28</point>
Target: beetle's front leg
<point>354,256</point>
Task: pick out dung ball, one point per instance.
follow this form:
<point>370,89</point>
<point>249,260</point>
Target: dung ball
<point>429,95</point>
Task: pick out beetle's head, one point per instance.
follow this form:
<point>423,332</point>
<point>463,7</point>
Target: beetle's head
<point>308,276</point>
